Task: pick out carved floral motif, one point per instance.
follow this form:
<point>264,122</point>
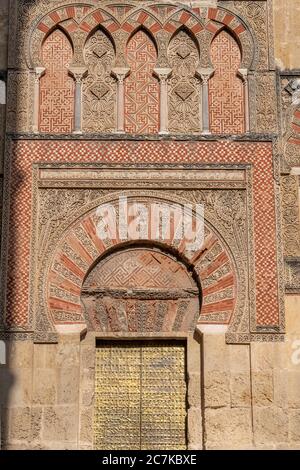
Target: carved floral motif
<point>99,87</point>
<point>256,14</point>
<point>141,87</point>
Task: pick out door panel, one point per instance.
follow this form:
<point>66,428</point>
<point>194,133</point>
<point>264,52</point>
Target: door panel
<point>163,393</point>
<point>140,400</point>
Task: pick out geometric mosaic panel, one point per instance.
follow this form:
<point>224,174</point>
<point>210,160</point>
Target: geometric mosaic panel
<point>56,86</point>
<point>141,87</point>
<point>99,87</point>
<point>138,289</point>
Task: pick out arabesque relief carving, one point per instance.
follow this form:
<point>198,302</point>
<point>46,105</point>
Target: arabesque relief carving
<point>160,23</point>
<point>17,105</point>
<point>37,19</point>
<point>292,275</point>
<point>184,86</point>
<point>216,304</point>
<point>290,120</point>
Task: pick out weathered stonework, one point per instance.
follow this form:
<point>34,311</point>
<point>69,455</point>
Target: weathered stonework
<point>56,86</point>
<point>290,98</point>
<point>158,152</point>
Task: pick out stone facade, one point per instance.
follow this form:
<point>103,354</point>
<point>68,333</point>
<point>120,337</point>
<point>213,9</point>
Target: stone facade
<point>171,104</point>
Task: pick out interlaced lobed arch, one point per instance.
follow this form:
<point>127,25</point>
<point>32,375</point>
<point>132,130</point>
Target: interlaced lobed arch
<point>99,87</point>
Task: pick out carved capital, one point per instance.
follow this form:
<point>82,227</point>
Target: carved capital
<point>78,72</point>
<point>38,73</point>
<point>204,73</point>
<point>243,73</point>
<point>120,73</point>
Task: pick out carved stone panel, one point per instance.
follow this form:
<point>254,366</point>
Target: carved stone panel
<point>184,87</point>
<point>140,290</point>
<point>256,14</point>
<point>211,261</point>
<point>99,87</point>
<point>266,102</point>
<point>292,275</point>
<point>290,119</point>
<point>68,245</point>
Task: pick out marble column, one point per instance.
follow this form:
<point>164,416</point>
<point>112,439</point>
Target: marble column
<point>120,73</point>
<point>205,74</point>
<point>244,76</point>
